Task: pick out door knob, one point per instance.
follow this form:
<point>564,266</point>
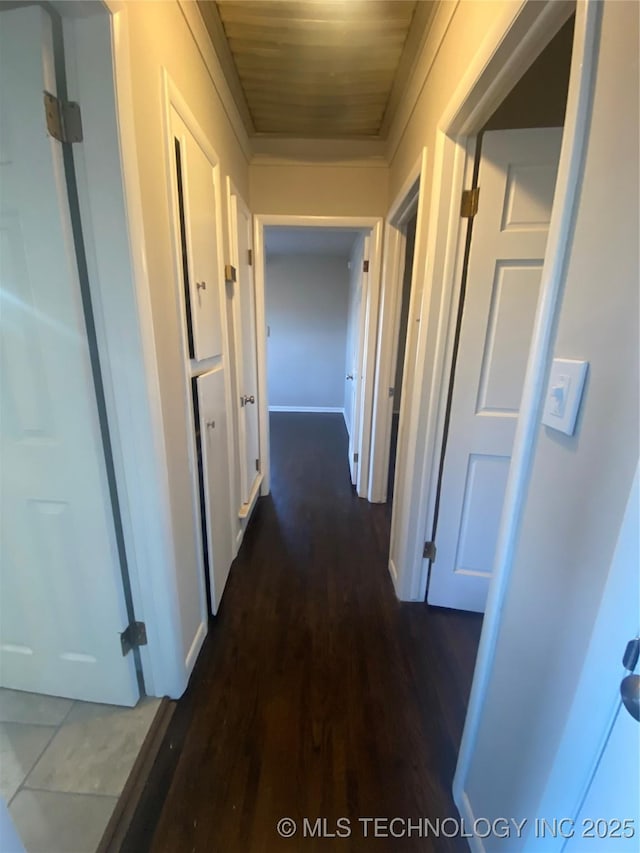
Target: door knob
<point>247,399</point>
<point>201,285</point>
<point>630,694</point>
<point>349,375</point>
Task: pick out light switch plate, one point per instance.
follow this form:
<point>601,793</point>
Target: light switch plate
<point>564,394</point>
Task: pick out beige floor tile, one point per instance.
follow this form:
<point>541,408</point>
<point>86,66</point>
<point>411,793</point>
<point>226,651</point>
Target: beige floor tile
<point>49,822</point>
<point>94,750</point>
<point>17,706</point>
<point>20,748</point>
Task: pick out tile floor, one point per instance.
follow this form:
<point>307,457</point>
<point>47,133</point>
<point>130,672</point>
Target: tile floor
<point>63,765</point>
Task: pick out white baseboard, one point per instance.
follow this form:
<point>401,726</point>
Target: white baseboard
<point>348,426</point>
<point>334,409</point>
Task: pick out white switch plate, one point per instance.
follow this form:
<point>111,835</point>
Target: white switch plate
<point>564,394</point>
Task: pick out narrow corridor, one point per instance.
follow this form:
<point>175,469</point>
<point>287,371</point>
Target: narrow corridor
<point>317,693</point>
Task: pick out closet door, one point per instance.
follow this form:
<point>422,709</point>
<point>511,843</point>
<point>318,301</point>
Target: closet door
<point>198,194</point>
<point>215,478</point>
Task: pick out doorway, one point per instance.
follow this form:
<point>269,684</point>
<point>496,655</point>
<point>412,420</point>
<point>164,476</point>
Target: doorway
<point>395,391</point>
<point>316,336</point>
<point>510,203</point>
<point>315,295</point>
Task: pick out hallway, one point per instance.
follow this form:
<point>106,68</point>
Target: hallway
<point>317,693</point>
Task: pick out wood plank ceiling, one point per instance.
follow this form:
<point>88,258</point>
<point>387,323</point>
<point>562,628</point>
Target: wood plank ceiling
<point>316,68</point>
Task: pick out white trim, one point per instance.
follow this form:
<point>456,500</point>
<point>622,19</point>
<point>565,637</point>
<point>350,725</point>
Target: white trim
<point>375,226</point>
<point>124,323</point>
<point>583,64</point>
<point>403,207</point>
<point>333,409</point>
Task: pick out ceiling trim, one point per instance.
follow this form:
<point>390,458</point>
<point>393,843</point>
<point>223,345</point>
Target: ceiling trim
<point>215,28</point>
<point>434,36</point>
<point>416,38</point>
<point>194,20</point>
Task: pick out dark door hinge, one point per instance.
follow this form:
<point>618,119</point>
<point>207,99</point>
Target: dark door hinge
<point>365,266</point>
<point>356,457</point>
<point>250,257</point>
<point>258,465</point>
<point>64,121</point>
<point>429,551</point>
<point>134,635</point>
<point>469,203</point>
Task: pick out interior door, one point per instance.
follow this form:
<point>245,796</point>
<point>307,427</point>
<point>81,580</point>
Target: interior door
<point>357,337</point>
<point>199,203</point>
<point>215,467</point>
<point>62,603</point>
<point>517,178</point>
<point>247,360</point>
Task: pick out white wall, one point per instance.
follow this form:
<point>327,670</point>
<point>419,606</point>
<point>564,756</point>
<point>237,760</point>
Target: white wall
<point>576,499</point>
<point>306,306</point>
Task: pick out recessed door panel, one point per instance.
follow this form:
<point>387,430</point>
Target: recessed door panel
<point>198,199</point>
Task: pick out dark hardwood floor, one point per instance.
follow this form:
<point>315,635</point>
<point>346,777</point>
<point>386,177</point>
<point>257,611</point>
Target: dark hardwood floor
<point>317,693</point>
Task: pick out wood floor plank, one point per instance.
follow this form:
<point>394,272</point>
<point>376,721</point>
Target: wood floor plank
<point>317,693</point>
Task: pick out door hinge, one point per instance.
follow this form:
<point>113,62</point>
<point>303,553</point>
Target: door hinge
<point>469,204</point>
<point>365,266</point>
<point>229,273</point>
<point>134,635</point>
<point>64,121</point>
<point>356,457</point>
<point>392,392</point>
<point>258,465</point>
<point>250,256</point>
<point>429,551</point>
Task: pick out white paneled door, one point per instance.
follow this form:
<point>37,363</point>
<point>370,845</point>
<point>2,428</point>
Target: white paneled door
<point>246,351</point>
<point>62,601</point>
<point>517,180</point>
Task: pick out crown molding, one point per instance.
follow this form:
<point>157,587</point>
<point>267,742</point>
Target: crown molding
<point>195,22</point>
<point>434,35</point>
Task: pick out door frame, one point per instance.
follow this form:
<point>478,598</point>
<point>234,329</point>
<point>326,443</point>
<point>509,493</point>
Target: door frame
<point>406,203</point>
<point>370,323</point>
<point>518,36</point>
<point>98,76</point>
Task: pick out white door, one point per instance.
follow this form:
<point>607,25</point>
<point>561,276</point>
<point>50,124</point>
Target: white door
<point>246,350</point>
<point>62,605</point>
<point>356,339</point>
<point>215,468</point>
<point>595,781</point>
<point>199,208</point>
<point>517,177</point>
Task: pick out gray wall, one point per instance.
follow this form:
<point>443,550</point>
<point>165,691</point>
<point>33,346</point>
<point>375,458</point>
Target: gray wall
<point>306,302</point>
<point>579,487</point>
